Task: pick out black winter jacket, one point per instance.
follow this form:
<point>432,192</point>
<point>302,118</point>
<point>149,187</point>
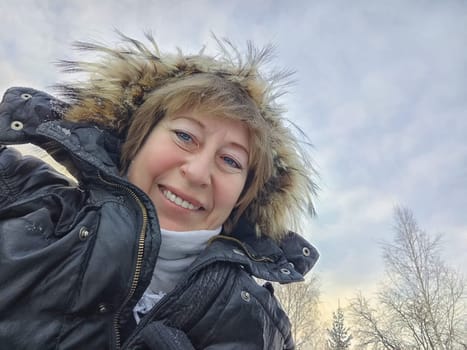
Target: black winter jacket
<point>76,257</point>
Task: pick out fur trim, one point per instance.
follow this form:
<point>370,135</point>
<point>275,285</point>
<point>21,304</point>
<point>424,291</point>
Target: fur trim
<point>120,80</point>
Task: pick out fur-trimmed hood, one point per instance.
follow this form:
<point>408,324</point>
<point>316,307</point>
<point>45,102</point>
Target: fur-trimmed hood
<point>120,80</point>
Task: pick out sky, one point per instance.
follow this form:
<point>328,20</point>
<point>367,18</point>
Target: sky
<point>381,92</point>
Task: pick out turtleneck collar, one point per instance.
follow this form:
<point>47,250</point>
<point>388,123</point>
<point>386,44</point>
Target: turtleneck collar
<point>178,245</point>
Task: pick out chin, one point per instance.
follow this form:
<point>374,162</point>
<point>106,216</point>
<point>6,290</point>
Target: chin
<point>175,226</point>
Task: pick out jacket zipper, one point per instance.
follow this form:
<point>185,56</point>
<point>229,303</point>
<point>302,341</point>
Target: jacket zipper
<point>139,257</point>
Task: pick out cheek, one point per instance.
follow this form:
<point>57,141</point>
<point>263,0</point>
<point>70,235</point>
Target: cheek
<point>230,193</point>
<point>146,165</point>
<point>160,161</point>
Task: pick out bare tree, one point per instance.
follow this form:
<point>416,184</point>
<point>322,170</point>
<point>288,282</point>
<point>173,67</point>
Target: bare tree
<point>421,303</point>
<point>372,327</point>
<point>301,302</point>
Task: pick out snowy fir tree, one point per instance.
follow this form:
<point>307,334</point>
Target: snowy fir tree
<point>339,336</point>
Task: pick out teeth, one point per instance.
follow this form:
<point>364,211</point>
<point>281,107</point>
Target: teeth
<point>177,200</point>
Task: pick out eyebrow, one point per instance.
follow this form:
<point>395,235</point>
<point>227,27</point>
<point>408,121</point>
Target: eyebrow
<point>243,149</point>
<point>190,119</point>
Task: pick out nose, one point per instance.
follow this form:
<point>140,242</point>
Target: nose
<point>197,169</point>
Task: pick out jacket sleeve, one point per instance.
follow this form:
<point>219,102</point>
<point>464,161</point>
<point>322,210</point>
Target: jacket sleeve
<point>22,176</point>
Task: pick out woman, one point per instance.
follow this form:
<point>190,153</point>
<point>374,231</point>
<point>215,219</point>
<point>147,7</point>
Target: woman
<point>188,182</point>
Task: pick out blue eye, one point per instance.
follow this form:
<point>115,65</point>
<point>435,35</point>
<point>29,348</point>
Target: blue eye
<point>183,136</point>
<point>231,162</point>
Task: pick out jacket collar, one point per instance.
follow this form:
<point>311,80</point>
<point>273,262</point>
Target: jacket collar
<point>22,110</point>
<point>285,261</point>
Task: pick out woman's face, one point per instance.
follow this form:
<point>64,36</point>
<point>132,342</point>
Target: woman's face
<point>193,166</point>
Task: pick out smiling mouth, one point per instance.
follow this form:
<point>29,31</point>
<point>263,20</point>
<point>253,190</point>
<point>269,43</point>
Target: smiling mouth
<point>179,201</point>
